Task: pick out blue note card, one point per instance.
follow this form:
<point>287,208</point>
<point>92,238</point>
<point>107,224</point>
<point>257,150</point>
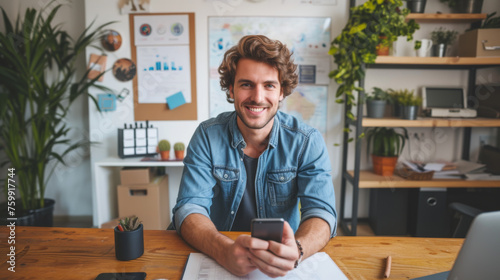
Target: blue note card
<point>175,100</point>
<point>107,102</point>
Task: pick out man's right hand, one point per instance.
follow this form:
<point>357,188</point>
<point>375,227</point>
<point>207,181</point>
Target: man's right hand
<point>237,260</point>
<point>200,232</point>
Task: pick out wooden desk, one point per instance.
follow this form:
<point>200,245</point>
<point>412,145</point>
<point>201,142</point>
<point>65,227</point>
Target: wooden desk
<point>71,253</point>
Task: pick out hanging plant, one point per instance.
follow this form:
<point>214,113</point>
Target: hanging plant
<point>374,23</point>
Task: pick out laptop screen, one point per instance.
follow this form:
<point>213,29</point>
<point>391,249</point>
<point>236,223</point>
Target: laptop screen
<point>444,98</point>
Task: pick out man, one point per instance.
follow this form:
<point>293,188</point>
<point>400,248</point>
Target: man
<point>256,162</point>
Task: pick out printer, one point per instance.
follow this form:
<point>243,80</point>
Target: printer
<point>446,103</point>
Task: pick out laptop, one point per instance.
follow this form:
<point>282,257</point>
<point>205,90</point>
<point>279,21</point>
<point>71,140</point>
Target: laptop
<point>446,102</point>
<point>479,256</point>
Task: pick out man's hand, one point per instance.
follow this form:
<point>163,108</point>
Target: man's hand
<point>234,256</point>
<point>237,259</point>
<point>272,258</point>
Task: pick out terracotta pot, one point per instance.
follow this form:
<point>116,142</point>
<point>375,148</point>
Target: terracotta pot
<point>384,165</point>
<point>165,154</point>
<point>179,154</point>
<point>382,50</point>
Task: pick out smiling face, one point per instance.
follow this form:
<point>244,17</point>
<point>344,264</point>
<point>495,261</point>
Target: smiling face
<point>256,93</point>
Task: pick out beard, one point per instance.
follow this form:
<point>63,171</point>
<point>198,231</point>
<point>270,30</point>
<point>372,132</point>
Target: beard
<point>258,125</point>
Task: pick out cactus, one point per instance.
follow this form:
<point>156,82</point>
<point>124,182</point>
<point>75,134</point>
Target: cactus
<point>164,145</point>
<point>129,224</point>
<point>179,146</point>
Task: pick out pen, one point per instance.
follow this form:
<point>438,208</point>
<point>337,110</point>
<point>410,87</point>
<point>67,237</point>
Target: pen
<point>388,267</point>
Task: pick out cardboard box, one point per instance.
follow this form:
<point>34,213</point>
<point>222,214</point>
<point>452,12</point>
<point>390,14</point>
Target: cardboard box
<point>136,175</point>
<point>470,44</point>
<point>149,202</point>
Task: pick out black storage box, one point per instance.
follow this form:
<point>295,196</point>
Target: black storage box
<point>389,211</point>
<point>429,213</point>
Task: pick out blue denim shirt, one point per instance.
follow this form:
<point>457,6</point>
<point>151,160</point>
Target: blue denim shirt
<point>294,168</point>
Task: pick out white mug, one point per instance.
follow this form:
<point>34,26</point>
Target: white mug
<point>425,48</point>
<point>401,47</point>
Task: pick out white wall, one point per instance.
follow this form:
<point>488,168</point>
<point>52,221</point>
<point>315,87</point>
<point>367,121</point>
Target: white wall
<point>72,186</point>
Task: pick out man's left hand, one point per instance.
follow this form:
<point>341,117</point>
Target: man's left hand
<point>272,258</point>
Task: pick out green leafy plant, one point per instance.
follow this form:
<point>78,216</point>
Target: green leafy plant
<point>395,94</point>
<point>179,146</point>
<point>129,224</point>
<point>370,24</point>
<point>164,145</point>
<point>409,99</point>
<point>418,45</point>
<point>379,94</point>
<point>443,36</point>
<point>38,85</point>
<point>491,22</point>
<point>405,97</point>
<point>386,141</point>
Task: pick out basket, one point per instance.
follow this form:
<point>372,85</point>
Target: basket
<point>409,174</point>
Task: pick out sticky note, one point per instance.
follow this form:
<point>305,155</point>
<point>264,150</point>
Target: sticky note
<point>107,102</point>
<point>175,100</point>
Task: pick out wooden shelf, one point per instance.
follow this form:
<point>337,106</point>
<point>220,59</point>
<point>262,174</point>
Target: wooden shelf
<point>459,61</point>
<point>451,18</point>
<point>368,179</point>
<point>431,122</point>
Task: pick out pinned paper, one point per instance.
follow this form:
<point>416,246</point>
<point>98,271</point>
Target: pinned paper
<point>97,65</point>
<point>175,100</point>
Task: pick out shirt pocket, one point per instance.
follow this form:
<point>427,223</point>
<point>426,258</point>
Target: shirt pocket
<point>282,188</point>
<point>227,179</point>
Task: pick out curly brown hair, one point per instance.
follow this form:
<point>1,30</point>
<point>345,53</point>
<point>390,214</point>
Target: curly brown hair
<point>262,49</point>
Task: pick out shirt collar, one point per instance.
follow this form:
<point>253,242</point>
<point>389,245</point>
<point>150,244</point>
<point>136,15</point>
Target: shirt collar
<point>237,137</point>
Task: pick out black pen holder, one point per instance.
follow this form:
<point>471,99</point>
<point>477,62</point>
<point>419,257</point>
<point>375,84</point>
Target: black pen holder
<point>129,245</point>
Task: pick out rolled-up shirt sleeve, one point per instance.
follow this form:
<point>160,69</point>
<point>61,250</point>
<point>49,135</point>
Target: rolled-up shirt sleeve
<point>196,188</point>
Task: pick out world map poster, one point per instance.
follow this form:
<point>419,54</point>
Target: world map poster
<point>307,38</point>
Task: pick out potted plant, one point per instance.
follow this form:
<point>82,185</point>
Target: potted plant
<point>465,6</point>
<point>38,85</point>
<point>386,145</point>
<point>129,239</point>
<point>402,98</point>
<point>376,101</point>
<point>416,6</point>
<point>164,148</point>
<point>357,43</point>
<point>409,104</point>
<point>441,39</point>
<point>396,109</point>
<point>179,148</point>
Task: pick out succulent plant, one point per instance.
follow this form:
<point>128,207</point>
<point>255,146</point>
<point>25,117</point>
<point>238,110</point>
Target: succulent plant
<point>164,145</point>
<point>179,146</point>
<point>129,223</point>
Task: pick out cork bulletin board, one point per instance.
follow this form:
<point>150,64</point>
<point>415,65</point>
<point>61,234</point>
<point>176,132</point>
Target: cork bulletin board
<point>163,48</point>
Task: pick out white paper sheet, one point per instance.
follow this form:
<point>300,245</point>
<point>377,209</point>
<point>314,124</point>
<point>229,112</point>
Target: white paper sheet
<point>319,267</point>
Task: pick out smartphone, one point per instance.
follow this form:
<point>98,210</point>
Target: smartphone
<point>268,229</point>
<point>122,275</point>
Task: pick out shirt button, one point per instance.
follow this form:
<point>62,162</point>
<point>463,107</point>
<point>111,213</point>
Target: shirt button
<point>232,212</point>
<point>282,178</point>
<point>225,176</point>
<point>241,159</point>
